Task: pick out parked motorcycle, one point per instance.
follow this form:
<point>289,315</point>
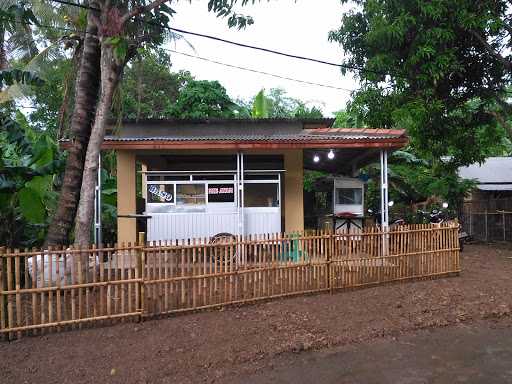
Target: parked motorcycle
<point>439,216</point>
<point>378,218</point>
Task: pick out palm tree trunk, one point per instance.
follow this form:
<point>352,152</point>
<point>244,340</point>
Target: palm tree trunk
<point>110,73</point>
<point>3,53</point>
<point>81,121</point>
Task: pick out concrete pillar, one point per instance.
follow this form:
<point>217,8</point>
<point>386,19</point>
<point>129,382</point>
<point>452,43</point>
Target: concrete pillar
<point>293,191</point>
<point>126,196</point>
<point>144,168</point>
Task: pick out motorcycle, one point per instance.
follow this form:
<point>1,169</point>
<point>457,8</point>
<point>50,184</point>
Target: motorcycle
<point>439,216</point>
<point>378,218</point>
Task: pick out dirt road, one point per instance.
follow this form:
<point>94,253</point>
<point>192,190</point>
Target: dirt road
<point>457,354</point>
<point>218,346</point>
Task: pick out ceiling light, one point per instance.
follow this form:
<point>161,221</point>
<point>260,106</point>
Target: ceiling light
<point>330,155</point>
<point>316,158</point>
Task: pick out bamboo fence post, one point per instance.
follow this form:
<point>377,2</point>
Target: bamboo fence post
<point>328,259</point>
<point>9,273</point>
<point>140,274</point>
<point>86,280</point>
<point>194,262</point>
<point>3,288</point>
<point>58,291</point>
<point>17,282</point>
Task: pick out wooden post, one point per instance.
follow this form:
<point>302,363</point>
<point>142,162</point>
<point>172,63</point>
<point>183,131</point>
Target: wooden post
<point>3,287</point>
<point>486,228</point>
<point>503,217</point>
<point>470,222</point>
<point>140,271</point>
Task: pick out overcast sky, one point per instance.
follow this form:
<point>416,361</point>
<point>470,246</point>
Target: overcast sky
<point>298,27</point>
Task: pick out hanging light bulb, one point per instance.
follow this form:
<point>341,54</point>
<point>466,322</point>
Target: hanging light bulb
<point>330,155</point>
<point>316,158</point>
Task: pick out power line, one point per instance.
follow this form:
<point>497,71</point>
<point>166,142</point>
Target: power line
<point>259,48</point>
<point>76,5</point>
<point>26,106</point>
<point>232,65</point>
<point>238,44</point>
<point>260,72</point>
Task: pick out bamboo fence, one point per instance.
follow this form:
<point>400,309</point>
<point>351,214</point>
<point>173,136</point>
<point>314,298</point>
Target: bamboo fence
<point>59,289</point>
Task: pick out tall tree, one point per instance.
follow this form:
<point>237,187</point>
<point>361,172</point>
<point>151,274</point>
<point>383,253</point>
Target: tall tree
<point>426,66</point>
<point>123,28</point>
<point>86,96</point>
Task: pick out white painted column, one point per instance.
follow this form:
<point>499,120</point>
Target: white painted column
<point>384,200</point>
<point>97,206</point>
<point>242,188</point>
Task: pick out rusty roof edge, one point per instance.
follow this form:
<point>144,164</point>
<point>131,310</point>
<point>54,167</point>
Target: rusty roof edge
<point>328,121</point>
<point>363,131</point>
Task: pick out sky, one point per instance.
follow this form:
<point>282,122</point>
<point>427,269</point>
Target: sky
<point>299,27</point>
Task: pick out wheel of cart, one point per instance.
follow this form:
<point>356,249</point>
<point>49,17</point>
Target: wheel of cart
<point>228,253</point>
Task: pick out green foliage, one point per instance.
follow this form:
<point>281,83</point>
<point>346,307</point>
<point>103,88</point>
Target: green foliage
<point>109,198</point>
<point>119,45</point>
<point>224,8</point>
<point>277,104</point>
<point>202,99</point>
<point>48,98</point>
<point>304,112</point>
<point>150,89</point>
<point>14,17</point>
<point>28,162</point>
<point>346,119</point>
<point>310,177</point>
<point>423,68</point>
<point>413,180</point>
<point>12,76</point>
<point>260,105</point>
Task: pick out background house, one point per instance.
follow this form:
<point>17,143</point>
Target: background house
<point>487,211</point>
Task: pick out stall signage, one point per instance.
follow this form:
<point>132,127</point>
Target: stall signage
<point>221,193</point>
<point>222,190</point>
<point>160,195</point>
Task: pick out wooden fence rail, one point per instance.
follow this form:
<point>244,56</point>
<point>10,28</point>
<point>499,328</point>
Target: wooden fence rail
<point>55,289</point>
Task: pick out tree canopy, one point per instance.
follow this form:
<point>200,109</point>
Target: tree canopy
<point>149,89</point>
<point>201,99</point>
<point>423,67</point>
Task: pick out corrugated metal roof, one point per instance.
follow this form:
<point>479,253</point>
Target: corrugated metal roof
<point>305,135</point>
<point>327,121</point>
<point>495,187</point>
<point>493,170</point>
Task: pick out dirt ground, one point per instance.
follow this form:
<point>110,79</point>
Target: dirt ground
<point>476,353</point>
<point>230,344</point>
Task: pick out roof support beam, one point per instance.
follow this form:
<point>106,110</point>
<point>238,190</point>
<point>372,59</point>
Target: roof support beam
<point>210,145</point>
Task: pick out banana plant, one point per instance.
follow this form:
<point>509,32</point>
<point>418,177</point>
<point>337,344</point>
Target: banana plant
<point>28,162</point>
<point>260,105</point>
